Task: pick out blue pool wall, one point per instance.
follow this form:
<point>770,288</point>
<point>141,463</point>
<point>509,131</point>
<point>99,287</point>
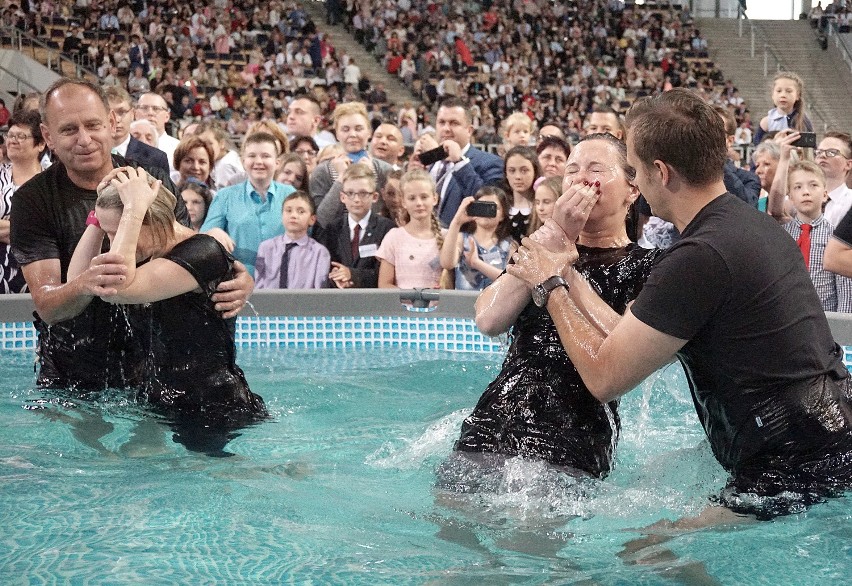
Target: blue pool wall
<point>343,319</point>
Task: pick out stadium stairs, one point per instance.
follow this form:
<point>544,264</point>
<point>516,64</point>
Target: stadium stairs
<point>791,45</point>
<point>372,69</point>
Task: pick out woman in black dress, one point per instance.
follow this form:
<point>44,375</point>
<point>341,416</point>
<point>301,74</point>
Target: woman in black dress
<point>190,375</point>
<point>538,406</point>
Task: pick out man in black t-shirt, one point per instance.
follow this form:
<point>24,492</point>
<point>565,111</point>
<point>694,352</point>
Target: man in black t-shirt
<point>82,341</point>
<point>732,300</point>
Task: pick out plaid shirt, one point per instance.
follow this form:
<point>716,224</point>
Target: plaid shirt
<point>835,291</point>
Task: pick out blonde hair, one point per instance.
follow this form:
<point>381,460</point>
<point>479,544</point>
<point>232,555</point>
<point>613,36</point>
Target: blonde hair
<point>554,184</point>
<point>329,152</point>
<point>807,167</point>
<point>516,119</point>
<point>281,141</point>
<point>422,175</point>
<point>160,215</point>
<point>347,108</point>
<point>360,171</point>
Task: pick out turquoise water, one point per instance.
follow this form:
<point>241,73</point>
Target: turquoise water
<point>338,489</point>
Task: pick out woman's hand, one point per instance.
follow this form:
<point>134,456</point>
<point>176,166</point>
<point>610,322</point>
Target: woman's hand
<point>534,263</point>
<point>574,206</point>
<point>134,190</point>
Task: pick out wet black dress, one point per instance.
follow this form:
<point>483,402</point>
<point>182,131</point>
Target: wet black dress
<point>538,406</point>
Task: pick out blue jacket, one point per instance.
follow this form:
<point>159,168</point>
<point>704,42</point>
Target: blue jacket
<point>483,169</point>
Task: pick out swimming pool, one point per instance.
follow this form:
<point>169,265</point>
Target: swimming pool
<point>338,486</point>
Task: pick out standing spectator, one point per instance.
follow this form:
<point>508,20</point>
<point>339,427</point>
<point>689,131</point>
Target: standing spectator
<point>244,215</point>
<point>154,108</point>
<point>124,143</point>
<point>789,112</point>
<point>227,161</point>
<point>834,156</point>
<point>303,119</point>
<point>387,145</point>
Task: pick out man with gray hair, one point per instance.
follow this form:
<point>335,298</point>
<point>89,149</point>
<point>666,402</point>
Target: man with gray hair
<point>145,131</point>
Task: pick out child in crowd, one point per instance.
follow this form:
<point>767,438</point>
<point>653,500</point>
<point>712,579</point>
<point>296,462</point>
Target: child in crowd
<point>197,197</point>
<point>476,247</point>
<point>547,191</point>
<point>293,260</point>
<point>517,130</point>
<point>410,255</point>
<point>354,238</point>
<point>521,171</point>
<point>811,230</point>
<point>789,111</point>
<point>293,172</point>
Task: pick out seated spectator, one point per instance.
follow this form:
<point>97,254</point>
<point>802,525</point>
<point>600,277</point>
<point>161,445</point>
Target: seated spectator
<point>476,248</point>
<point>410,256</point>
<point>293,260</point>
<point>353,132</point>
<point>197,196</point>
<point>354,238</point>
<point>244,215</point>
<point>193,158</point>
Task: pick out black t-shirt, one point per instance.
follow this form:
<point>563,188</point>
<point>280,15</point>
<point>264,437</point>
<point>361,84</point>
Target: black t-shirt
<point>736,287</point>
<point>92,350</point>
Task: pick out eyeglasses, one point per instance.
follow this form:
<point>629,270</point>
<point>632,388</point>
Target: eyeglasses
<point>358,194</point>
<point>828,153</point>
<point>306,153</point>
<point>151,108</point>
<point>18,136</point>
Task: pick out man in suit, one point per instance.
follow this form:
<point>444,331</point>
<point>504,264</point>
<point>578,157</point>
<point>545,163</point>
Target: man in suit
<point>123,143</point>
<point>353,238</point>
<point>465,168</point>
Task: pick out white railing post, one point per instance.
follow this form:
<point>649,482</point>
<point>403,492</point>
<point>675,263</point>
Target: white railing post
<point>765,61</point>
<point>752,41</point>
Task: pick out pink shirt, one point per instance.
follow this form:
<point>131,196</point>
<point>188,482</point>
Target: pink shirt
<point>416,261</point>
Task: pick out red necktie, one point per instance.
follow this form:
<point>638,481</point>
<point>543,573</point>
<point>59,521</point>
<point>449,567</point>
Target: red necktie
<point>356,241</point>
<point>804,243</point>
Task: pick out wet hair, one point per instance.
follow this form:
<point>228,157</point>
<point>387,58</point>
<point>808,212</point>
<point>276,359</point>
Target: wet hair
<point>554,184</point>
<point>807,167</point>
<point>262,138</point>
<point>422,175</point>
<point>360,171</point>
<point>841,136</point>
<point>678,128</point>
<point>799,104</point>
<point>60,83</point>
<point>29,119</point>
<point>189,144</point>
<point>553,142</point>
<point>620,147</point>
<point>304,196</point>
<point>530,155</point>
<point>160,215</point>
<point>504,228</point>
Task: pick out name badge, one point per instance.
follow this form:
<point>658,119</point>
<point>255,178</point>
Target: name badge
<point>368,250</point>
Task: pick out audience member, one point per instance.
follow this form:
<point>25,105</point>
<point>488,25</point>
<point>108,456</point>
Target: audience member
<point>153,107</point>
<point>145,132</point>
<point>834,156</point>
<point>124,143</point>
<point>553,153</point>
<point>522,171</point>
<point>387,145</point>
<point>197,196</point>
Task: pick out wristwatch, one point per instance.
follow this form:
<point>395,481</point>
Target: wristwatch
<point>541,292</point>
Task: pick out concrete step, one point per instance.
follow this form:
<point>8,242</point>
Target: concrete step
<point>371,68</point>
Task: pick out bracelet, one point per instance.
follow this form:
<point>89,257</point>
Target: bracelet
<point>92,220</point>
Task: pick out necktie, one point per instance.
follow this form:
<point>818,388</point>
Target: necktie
<point>443,174</point>
<point>804,243</point>
<point>285,265</point>
<point>356,241</point>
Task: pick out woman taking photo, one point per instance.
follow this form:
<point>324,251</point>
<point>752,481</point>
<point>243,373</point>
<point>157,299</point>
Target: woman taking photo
<point>24,145</point>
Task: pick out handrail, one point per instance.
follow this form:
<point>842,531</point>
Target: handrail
<point>20,38</point>
<point>755,31</point>
<point>840,42</point>
<point>18,80</point>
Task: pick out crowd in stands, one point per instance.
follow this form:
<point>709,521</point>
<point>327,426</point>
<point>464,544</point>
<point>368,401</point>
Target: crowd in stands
<point>323,191</point>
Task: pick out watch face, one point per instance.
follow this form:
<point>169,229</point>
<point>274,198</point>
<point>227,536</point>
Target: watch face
<point>539,295</point>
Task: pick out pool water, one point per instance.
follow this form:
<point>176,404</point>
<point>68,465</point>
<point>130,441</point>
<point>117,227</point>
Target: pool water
<point>338,488</point>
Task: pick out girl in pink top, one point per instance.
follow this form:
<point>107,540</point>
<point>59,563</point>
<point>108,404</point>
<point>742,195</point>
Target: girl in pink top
<point>410,255</point>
